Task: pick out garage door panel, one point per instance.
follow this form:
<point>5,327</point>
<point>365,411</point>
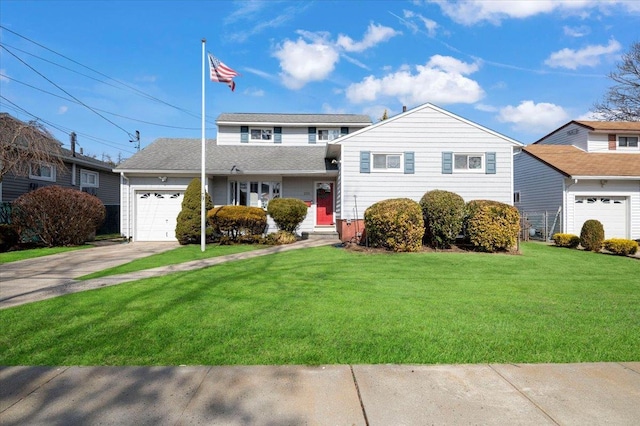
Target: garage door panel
<point>156,215</point>
<point>610,211</point>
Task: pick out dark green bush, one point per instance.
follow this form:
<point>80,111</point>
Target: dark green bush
<point>621,246</point>
<point>237,222</point>
<point>592,235</point>
<point>8,237</point>
<point>443,213</point>
<point>395,224</point>
<point>189,226</point>
<point>56,216</point>
<point>491,226</point>
<point>287,213</point>
<point>566,240</point>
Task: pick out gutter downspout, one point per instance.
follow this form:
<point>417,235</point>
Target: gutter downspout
<point>129,236</point>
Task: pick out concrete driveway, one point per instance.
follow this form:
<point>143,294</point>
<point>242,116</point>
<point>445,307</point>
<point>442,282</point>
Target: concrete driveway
<point>32,275</point>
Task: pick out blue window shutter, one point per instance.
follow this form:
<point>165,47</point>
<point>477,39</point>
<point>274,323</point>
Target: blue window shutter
<point>447,163</point>
<point>344,131</point>
<point>277,135</point>
<point>490,165</point>
<point>244,134</point>
<point>312,135</point>
<point>365,162</point>
<point>409,163</point>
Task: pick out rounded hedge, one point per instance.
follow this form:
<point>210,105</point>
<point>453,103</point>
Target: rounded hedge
<point>287,213</point>
<point>566,240</point>
<point>443,213</point>
<point>592,235</point>
<point>236,221</point>
<point>491,226</point>
<point>621,246</point>
<point>395,224</point>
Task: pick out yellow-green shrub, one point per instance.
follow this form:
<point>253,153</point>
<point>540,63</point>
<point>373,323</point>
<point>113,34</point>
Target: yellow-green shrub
<point>592,235</point>
<point>621,246</point>
<point>492,226</point>
<point>395,225</point>
<point>280,238</point>
<point>566,240</point>
<point>238,222</point>
<point>287,213</point>
<point>443,213</point>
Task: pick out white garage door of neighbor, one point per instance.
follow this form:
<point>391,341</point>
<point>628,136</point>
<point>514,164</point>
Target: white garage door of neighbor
<point>156,215</point>
<point>610,211</point>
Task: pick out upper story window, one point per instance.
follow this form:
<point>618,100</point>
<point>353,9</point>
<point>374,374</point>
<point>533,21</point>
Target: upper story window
<point>89,179</point>
<point>42,171</point>
<point>328,134</point>
<point>628,141</point>
<point>387,162</point>
<point>468,162</point>
<point>261,134</point>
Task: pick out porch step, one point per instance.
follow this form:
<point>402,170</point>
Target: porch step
<point>316,235</point>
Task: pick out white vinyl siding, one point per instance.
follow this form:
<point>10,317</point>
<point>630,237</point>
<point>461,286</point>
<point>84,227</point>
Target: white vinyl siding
<point>573,134</point>
<point>539,185</point>
<point>292,135</point>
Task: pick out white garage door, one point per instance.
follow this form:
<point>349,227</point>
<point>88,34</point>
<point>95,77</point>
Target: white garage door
<point>610,211</point>
<point>156,214</point>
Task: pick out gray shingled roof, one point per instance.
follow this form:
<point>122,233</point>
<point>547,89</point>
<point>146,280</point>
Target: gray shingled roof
<point>183,155</point>
<point>300,119</point>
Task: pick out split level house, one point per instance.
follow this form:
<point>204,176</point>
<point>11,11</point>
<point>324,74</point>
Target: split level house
<point>584,170</point>
<point>338,164</point>
<point>75,170</point>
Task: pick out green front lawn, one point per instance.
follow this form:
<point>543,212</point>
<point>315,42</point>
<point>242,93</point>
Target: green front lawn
<point>14,256</point>
<point>331,306</point>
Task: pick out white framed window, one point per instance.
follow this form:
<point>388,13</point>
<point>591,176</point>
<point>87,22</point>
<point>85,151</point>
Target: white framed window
<point>261,134</point>
<point>89,179</point>
<point>468,163</point>
<point>328,134</point>
<point>628,142</point>
<point>42,171</point>
<point>387,162</point>
<point>253,193</point>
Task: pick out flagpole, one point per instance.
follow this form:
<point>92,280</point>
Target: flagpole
<point>203,219</point>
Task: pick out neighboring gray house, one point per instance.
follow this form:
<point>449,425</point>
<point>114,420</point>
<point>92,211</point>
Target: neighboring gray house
<point>585,170</point>
<point>339,164</point>
<point>80,172</point>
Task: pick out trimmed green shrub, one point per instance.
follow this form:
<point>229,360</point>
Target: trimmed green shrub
<point>621,246</point>
<point>8,237</point>
<point>566,240</point>
<point>491,226</point>
<point>188,224</point>
<point>236,222</point>
<point>56,216</point>
<point>443,214</point>
<point>395,224</point>
<point>280,238</point>
<point>592,235</point>
<point>287,213</point>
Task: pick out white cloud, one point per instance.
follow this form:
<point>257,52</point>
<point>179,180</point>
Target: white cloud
<point>486,108</point>
<point>441,81</point>
<point>375,34</point>
<point>303,62</point>
<point>3,73</point>
<point>532,117</point>
<point>429,25</point>
<point>587,57</point>
<point>63,109</point>
<point>580,31</point>
<point>254,92</point>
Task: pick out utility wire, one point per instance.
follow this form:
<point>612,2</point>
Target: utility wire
<point>69,94</point>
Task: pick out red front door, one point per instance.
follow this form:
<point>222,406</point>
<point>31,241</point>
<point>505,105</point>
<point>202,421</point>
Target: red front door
<point>324,203</point>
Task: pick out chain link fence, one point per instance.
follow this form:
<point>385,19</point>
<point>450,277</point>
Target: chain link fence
<point>540,225</point>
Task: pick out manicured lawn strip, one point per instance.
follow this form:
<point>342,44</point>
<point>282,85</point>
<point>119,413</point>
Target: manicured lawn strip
<point>178,255</point>
<point>14,256</point>
<point>328,305</point>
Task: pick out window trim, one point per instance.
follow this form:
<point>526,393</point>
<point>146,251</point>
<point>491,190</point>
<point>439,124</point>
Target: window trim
<point>330,131</point>
<point>89,185</point>
<point>51,178</point>
<point>627,147</point>
<point>234,186</point>
<point>262,130</point>
<point>386,169</point>
<point>481,170</point>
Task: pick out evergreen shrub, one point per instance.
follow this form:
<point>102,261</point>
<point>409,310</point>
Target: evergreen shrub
<point>287,213</point>
<point>395,224</point>
<point>280,238</point>
<point>55,216</point>
<point>592,235</point>
<point>566,240</point>
<point>443,213</point>
<point>188,223</point>
<point>237,222</point>
<point>491,226</point>
<point>8,237</point>
<point>621,246</point>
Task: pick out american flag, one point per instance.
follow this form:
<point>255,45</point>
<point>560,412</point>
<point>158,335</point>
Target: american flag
<point>221,73</point>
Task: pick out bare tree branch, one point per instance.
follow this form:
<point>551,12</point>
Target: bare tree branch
<point>622,101</point>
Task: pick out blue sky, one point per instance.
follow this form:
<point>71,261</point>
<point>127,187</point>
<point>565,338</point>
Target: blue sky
<point>105,69</point>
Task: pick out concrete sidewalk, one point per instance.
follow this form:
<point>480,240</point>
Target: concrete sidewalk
<point>487,394</point>
<point>51,276</point>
